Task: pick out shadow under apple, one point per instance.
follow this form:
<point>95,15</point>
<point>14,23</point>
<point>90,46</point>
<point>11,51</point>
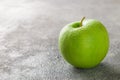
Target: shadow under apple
<point>104,71</point>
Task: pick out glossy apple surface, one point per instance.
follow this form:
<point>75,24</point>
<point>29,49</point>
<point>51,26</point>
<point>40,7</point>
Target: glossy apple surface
<point>84,44</point>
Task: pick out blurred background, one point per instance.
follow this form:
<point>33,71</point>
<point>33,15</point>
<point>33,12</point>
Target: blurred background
<point>29,31</point>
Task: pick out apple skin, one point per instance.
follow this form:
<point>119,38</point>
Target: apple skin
<point>84,46</point>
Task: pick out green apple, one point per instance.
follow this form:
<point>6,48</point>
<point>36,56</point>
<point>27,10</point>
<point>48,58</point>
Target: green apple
<point>85,43</point>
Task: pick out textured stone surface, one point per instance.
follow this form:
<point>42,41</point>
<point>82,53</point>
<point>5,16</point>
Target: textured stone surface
<point>29,32</point>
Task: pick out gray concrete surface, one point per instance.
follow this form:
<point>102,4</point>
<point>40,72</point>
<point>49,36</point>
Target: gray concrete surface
<point>29,32</point>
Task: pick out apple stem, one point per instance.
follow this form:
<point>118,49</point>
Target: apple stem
<point>82,21</point>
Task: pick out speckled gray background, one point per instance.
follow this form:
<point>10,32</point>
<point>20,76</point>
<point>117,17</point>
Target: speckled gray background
<point>29,32</point>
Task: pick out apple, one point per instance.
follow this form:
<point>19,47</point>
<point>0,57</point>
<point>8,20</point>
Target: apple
<point>85,43</point>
